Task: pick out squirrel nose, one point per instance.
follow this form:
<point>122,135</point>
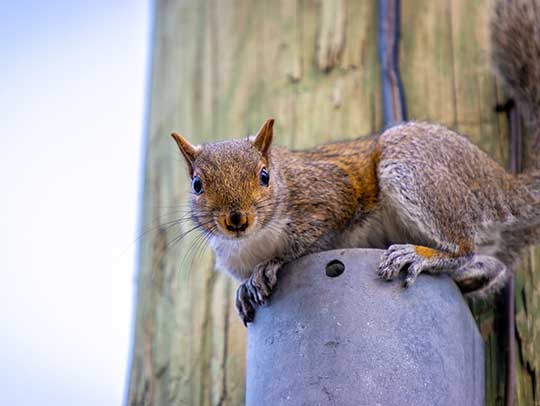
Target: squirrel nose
<point>236,221</point>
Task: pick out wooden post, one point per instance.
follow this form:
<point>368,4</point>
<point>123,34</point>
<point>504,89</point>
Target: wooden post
<point>219,69</point>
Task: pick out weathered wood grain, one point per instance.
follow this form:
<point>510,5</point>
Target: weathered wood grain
<point>220,67</point>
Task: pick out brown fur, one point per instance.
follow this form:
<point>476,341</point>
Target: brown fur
<point>421,190</point>
<point>424,192</point>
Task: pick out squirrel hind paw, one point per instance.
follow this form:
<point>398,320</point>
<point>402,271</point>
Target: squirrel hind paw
<point>396,258</point>
<point>414,259</point>
<point>482,277</point>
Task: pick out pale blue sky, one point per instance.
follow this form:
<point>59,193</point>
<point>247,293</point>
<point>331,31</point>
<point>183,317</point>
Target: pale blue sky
<point>72,101</point>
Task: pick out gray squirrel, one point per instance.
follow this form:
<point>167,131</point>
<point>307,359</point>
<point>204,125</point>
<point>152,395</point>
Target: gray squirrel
<point>424,193</point>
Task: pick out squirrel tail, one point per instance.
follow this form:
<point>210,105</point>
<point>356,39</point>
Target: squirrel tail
<point>515,39</point>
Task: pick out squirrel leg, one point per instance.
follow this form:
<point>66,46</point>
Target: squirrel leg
<point>417,259</point>
<point>485,275</point>
<point>477,276</point>
<point>482,276</point>
<point>256,289</point>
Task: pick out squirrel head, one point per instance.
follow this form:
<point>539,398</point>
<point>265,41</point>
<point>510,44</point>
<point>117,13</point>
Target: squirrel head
<point>231,183</point>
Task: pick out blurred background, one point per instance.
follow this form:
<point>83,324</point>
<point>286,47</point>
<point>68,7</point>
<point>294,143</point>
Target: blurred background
<point>74,75</point>
<point>74,115</point>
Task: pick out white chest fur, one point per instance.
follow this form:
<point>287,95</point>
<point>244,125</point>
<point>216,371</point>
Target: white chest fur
<point>240,257</point>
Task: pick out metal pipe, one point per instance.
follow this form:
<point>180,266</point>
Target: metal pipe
<point>335,334</point>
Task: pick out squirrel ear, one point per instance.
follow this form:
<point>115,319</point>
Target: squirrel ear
<point>263,139</point>
<point>189,151</point>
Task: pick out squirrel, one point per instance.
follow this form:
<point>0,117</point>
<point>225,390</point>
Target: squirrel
<point>424,193</point>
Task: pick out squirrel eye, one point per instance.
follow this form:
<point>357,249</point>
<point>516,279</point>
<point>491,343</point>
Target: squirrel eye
<point>196,185</point>
<point>264,177</point>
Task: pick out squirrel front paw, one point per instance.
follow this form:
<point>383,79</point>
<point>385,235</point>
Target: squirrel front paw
<point>244,306</point>
<point>256,289</point>
<point>398,256</point>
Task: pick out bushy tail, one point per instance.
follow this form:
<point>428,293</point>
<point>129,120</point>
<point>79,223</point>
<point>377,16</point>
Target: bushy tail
<point>515,38</point>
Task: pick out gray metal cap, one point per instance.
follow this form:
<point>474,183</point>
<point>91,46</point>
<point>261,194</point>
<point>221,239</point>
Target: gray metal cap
<point>353,339</point>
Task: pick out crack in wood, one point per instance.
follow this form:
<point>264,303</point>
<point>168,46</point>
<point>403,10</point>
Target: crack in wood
<point>331,35</point>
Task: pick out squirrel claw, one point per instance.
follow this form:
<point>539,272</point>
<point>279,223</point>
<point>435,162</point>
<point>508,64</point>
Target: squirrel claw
<point>244,305</point>
<point>412,274</point>
<point>255,290</point>
<point>394,259</point>
<point>262,280</point>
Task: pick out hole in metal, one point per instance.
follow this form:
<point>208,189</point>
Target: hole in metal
<point>334,268</point>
